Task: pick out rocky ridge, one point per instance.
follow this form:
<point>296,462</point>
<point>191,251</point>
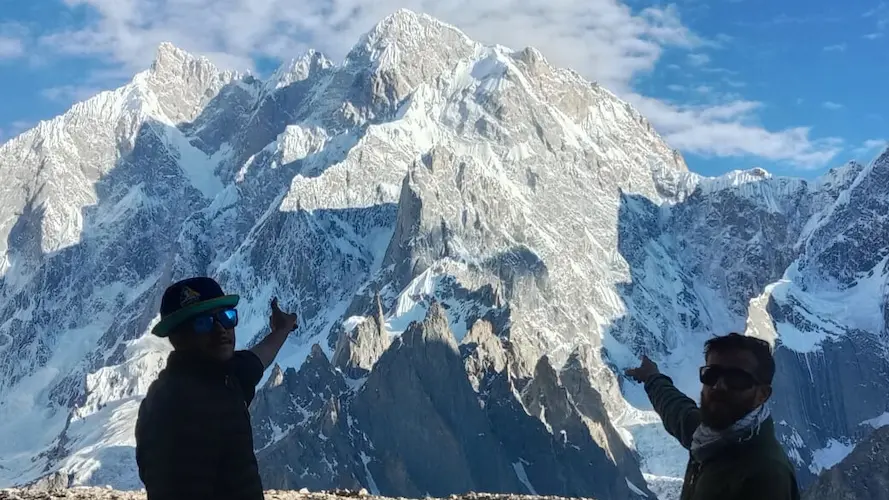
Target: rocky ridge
<point>863,474</point>
<point>428,202</point>
<point>87,493</point>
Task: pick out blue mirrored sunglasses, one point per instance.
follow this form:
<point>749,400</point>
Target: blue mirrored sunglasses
<point>227,318</point>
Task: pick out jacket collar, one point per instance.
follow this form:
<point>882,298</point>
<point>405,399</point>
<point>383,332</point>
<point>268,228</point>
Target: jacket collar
<point>760,441</point>
<point>184,362</point>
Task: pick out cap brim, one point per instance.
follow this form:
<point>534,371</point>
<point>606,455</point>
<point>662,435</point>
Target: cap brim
<point>167,324</point>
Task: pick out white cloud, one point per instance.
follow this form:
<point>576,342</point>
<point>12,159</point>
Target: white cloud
<point>11,48</point>
<point>70,93</point>
<point>881,14</point>
<point>13,38</point>
<point>730,130</point>
<point>15,128</point>
<point>720,71</point>
<point>873,36</point>
<point>20,126</point>
<point>833,106</point>
<point>698,59</point>
<point>676,88</point>
<point>840,47</point>
<point>603,35</point>
<point>605,40</point>
<point>870,147</point>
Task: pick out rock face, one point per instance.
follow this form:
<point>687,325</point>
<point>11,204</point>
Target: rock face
<point>862,474</point>
<point>82,493</point>
<point>477,244</point>
<point>358,350</point>
<point>417,423</point>
<point>422,417</point>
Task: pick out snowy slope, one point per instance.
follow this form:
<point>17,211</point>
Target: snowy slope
<point>424,166</point>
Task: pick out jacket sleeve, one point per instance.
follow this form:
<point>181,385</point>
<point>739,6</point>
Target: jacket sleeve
<point>770,482</point>
<point>176,451</point>
<point>680,414</point>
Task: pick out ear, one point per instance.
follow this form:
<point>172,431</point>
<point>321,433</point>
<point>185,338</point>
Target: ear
<point>763,393</point>
<point>177,340</point>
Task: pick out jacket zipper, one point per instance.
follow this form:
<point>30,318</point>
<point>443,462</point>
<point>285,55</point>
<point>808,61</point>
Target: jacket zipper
<point>229,386</point>
<point>695,472</point>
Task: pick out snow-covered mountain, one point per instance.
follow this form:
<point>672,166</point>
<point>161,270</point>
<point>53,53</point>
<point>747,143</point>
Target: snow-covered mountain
<point>477,243</point>
<point>862,475</point>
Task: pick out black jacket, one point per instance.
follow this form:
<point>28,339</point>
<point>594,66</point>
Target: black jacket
<point>193,435</point>
<point>757,469</point>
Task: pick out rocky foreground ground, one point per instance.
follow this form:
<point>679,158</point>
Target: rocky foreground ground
<point>109,494</point>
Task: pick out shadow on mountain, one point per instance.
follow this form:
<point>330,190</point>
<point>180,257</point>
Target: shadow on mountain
<point>85,300</point>
<point>434,417</point>
<point>148,226</point>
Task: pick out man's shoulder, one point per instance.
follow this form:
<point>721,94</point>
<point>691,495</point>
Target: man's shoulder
<point>246,356</point>
<point>247,365</point>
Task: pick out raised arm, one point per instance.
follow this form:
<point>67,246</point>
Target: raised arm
<point>281,324</point>
<point>679,413</point>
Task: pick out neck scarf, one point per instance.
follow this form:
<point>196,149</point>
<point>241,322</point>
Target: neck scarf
<point>707,442</point>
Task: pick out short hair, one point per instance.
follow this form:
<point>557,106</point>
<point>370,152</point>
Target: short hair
<point>765,363</point>
<point>175,339</point>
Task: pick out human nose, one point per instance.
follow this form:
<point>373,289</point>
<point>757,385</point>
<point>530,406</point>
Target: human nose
<point>217,326</point>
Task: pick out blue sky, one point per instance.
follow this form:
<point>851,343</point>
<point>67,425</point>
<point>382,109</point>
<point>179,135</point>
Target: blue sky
<point>795,86</point>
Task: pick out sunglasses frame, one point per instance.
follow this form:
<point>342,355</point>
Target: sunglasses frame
<point>753,379</point>
<point>215,319</point>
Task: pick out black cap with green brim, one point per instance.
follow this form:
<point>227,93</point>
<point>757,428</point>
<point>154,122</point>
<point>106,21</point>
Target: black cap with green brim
<point>188,298</point>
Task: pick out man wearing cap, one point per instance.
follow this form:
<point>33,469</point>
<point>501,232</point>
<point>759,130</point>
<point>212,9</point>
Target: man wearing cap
<point>193,435</point>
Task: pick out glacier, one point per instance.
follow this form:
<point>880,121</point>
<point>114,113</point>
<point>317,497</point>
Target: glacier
<point>427,200</point>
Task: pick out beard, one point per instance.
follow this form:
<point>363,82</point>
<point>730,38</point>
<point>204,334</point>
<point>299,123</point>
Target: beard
<point>720,411</point>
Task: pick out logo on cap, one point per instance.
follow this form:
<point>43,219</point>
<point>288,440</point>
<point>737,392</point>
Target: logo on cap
<point>188,296</point>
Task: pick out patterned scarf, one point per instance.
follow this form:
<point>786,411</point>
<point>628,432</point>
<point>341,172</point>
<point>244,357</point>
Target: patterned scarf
<point>707,443</point>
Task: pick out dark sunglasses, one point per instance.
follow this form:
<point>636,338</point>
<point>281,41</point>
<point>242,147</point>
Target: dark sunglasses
<point>227,318</point>
<point>735,379</point>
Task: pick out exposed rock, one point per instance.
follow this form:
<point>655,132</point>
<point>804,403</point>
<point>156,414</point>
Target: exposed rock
<point>577,380</point>
<point>357,350</point>
<point>51,482</point>
<point>862,475</point>
<point>524,210</point>
<point>81,493</point>
<point>483,353</point>
<point>293,397</point>
<point>421,415</point>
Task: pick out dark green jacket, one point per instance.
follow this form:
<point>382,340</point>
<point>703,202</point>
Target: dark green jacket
<point>757,469</point>
<point>193,434</point>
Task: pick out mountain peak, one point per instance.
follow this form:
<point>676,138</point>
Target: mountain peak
<point>299,69</point>
<point>403,19</point>
<point>183,82</point>
<point>170,58</point>
<point>407,31</point>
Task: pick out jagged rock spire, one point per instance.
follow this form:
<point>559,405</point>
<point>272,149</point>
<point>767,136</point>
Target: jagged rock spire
<point>357,350</point>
